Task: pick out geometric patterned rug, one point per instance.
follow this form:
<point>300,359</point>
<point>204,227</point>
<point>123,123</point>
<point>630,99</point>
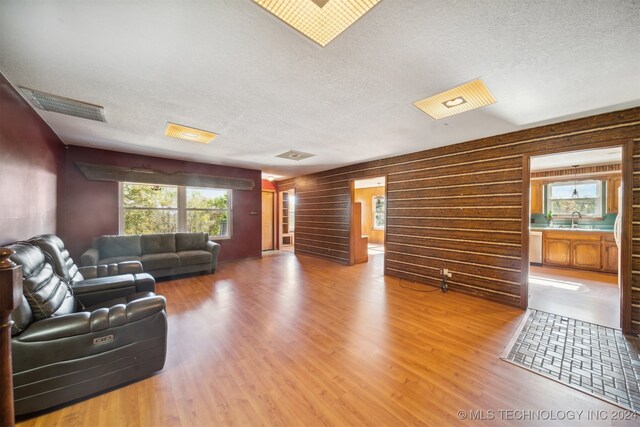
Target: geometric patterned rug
<point>594,359</point>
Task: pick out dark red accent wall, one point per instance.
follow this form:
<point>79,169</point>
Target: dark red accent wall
<point>90,208</point>
<point>31,158</point>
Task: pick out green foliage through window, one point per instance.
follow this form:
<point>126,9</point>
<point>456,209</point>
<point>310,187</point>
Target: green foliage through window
<point>562,201</point>
<point>158,209</point>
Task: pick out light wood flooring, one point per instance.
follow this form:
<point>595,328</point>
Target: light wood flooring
<point>292,340</point>
<point>585,295</point>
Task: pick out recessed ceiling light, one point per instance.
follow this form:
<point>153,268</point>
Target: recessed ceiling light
<point>189,134</point>
<point>270,178</point>
<point>320,20</point>
<point>295,155</point>
<point>462,98</point>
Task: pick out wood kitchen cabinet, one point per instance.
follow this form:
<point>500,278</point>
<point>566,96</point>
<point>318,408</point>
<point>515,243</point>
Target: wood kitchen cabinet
<point>609,255</point>
<point>595,251</point>
<point>613,183</point>
<point>537,196</point>
<point>556,251</point>
<point>586,254</point>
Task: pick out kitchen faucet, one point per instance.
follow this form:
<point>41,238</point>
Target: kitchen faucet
<point>575,224</point>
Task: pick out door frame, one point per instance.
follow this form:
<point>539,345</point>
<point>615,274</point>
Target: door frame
<point>624,274</point>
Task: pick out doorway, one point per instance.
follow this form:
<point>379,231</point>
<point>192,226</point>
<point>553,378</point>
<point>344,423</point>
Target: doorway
<point>574,204</point>
<point>287,220</point>
<point>369,218</point>
<point>268,229</point>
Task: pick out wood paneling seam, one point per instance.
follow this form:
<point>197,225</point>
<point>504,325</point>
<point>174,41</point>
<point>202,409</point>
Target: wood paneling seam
<point>453,250</point>
<point>517,181</point>
<point>456,229</point>
<point>456,164</point>
<point>490,267</point>
<point>482,242</point>
<point>454,217</point>
<point>454,175</point>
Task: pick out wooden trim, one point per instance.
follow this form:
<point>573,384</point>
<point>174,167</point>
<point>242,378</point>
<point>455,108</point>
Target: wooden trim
<point>352,231</point>
<point>524,253</point>
<point>570,172</point>
<point>626,249</point>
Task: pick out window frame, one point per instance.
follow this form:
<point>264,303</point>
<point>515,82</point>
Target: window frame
<point>181,209</point>
<point>600,196</point>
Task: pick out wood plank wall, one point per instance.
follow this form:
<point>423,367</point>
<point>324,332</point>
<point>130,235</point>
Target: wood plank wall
<point>458,206</point>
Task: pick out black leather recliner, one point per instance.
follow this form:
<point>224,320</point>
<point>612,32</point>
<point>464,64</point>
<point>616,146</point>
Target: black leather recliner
<point>72,341</point>
<point>103,282</point>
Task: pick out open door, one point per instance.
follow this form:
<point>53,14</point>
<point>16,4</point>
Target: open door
<point>268,238</point>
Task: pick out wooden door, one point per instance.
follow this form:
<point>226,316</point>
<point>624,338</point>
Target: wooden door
<point>267,220</point>
<point>586,254</point>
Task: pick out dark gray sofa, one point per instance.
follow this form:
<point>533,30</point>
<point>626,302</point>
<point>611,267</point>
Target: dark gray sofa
<point>161,255</point>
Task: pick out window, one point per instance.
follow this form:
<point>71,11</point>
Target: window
<point>208,210</point>
<point>378,212</point>
<point>561,200</point>
<point>147,208</point>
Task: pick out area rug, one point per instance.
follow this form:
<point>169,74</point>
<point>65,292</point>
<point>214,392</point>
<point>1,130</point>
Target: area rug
<point>594,359</point>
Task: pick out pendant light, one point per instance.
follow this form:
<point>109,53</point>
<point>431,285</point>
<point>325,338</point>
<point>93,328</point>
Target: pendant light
<point>575,195</point>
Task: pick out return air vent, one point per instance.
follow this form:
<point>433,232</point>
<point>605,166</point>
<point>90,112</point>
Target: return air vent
<point>58,104</point>
<point>295,155</point>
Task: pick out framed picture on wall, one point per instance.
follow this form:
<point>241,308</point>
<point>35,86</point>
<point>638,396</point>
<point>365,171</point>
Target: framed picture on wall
<point>379,203</point>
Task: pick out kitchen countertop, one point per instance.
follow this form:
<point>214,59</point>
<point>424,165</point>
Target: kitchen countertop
<point>579,230</point>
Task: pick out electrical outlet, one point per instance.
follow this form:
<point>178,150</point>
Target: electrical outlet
<point>445,272</point>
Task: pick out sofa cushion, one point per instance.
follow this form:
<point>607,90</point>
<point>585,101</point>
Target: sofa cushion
<point>118,259</point>
<point>160,261</point>
<point>191,241</point>
<point>158,243</point>
<point>195,257</point>
<point>118,246</point>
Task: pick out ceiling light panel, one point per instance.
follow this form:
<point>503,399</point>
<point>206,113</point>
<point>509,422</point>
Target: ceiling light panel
<point>189,134</point>
<point>466,97</point>
<point>320,20</point>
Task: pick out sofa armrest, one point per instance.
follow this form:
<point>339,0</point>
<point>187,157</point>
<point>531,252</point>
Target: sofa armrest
<point>105,270</point>
<point>130,267</point>
<point>82,323</point>
<point>90,257</point>
<point>214,248</point>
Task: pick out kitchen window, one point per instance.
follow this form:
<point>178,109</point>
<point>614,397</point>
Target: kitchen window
<point>148,208</point>
<point>586,197</point>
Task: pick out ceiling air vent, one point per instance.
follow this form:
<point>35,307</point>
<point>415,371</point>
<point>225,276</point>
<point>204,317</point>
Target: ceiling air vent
<point>58,104</point>
<point>295,155</point>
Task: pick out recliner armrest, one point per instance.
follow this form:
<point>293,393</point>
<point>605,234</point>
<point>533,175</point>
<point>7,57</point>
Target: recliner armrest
<point>90,257</point>
<point>81,323</point>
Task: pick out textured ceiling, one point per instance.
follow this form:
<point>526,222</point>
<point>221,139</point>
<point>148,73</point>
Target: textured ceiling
<point>231,67</point>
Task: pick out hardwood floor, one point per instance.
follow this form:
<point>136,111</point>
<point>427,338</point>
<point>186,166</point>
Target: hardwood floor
<point>292,340</point>
<point>585,295</point>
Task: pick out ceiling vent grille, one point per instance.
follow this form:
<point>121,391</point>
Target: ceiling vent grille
<point>295,155</point>
<point>58,104</point>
